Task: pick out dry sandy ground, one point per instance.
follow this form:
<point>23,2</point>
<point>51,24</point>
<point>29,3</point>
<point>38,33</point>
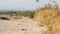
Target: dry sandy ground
<point>21,26</point>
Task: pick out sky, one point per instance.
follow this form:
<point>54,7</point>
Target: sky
<point>24,4</point>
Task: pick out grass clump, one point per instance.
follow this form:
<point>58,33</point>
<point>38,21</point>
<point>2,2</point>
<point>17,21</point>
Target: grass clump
<point>49,17</point>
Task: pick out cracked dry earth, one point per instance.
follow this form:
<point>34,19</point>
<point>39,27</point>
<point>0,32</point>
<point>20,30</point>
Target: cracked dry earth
<point>22,26</point>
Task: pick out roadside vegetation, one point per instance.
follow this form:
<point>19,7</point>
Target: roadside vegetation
<point>49,16</point>
<point>17,14</point>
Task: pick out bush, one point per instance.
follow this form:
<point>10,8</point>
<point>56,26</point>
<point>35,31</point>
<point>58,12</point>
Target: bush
<point>49,17</point>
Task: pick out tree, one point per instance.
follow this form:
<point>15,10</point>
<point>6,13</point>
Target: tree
<point>37,0</point>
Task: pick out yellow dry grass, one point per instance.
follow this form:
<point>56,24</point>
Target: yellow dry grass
<point>49,17</point>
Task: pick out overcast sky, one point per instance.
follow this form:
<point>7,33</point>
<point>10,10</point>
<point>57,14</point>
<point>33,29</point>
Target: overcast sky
<point>24,4</point>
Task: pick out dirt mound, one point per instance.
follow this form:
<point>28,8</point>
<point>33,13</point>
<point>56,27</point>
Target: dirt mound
<point>49,17</point>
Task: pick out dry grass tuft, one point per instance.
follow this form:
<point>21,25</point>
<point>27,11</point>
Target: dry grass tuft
<point>49,17</point>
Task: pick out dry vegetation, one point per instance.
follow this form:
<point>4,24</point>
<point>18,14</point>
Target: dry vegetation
<point>12,15</point>
<point>50,17</point>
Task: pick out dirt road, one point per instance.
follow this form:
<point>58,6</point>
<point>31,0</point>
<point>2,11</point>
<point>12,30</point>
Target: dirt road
<point>22,26</point>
